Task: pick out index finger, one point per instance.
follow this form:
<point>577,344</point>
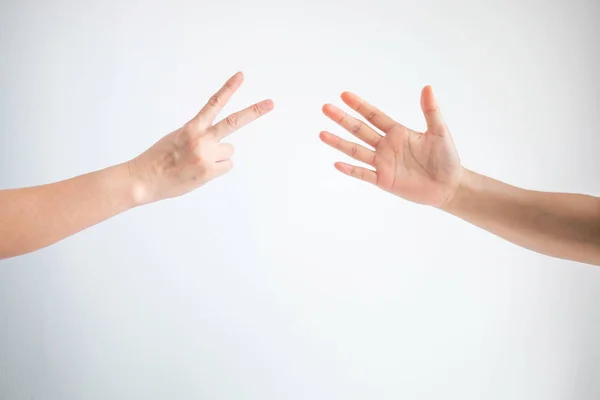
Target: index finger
<point>370,112</point>
<point>241,118</point>
<point>215,104</point>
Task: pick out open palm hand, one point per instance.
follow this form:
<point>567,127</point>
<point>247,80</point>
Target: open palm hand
<point>420,167</point>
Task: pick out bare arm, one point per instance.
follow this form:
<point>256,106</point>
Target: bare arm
<point>556,224</point>
<point>424,167</point>
<point>35,217</point>
<point>183,160</point>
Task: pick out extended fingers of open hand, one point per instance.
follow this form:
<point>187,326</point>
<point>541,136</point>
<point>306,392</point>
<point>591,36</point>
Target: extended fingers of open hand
<point>431,111</point>
<point>354,150</point>
<point>361,173</point>
<point>370,112</point>
<point>353,125</point>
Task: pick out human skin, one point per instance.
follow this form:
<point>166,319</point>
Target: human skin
<point>185,159</point>
<point>424,167</point>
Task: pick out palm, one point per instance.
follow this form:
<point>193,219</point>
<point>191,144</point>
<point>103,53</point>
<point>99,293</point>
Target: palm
<point>420,167</point>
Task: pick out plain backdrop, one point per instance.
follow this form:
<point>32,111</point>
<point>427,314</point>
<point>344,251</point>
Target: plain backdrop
<point>286,279</point>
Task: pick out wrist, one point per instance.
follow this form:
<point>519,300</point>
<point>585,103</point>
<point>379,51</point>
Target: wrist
<point>138,184</point>
<point>462,189</point>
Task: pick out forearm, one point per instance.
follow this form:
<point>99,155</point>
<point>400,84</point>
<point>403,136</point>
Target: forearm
<point>35,217</point>
<point>557,224</point>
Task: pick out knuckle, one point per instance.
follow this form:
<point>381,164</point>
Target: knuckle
<point>376,140</point>
<point>188,132</point>
<point>354,150</point>
<point>188,126</point>
<point>256,109</point>
<point>356,127</point>
<point>432,114</point>
<point>186,141</point>
<point>198,154</point>
<point>233,121</point>
<point>229,84</point>
<point>360,107</point>
<point>372,159</point>
<point>371,115</point>
<point>202,174</point>
<point>215,100</point>
<point>198,157</point>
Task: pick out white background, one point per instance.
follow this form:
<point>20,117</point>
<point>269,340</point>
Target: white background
<point>286,279</point>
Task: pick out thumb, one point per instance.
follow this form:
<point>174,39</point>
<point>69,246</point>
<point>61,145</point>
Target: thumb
<point>431,110</point>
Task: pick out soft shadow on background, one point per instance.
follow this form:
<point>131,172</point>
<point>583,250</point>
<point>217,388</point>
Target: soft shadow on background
<point>285,279</point>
